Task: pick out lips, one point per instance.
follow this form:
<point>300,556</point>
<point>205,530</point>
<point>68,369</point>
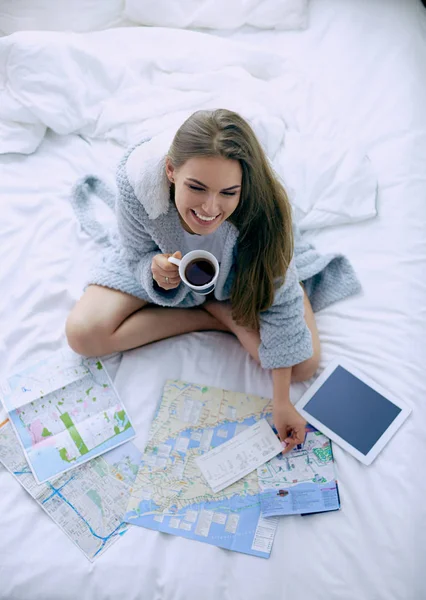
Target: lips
<point>202,219</point>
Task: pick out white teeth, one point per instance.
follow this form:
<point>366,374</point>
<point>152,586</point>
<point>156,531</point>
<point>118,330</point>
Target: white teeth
<point>204,218</point>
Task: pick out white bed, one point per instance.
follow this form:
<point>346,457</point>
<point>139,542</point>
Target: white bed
<point>367,63</point>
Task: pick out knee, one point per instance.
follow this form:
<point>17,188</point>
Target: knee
<point>83,337</point>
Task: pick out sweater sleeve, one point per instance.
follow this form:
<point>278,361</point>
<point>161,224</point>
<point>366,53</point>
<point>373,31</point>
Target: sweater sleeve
<point>285,337</point>
<point>138,249</point>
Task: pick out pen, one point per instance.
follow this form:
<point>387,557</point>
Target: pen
<point>299,446</point>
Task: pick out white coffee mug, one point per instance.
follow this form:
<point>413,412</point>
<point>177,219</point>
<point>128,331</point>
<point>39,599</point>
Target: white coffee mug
<point>193,257</point>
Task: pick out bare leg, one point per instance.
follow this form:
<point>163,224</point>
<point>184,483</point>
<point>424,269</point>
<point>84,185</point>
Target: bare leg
<point>250,340</point>
<point>105,321</point>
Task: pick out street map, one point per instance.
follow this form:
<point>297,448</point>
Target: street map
<point>170,493</point>
<point>88,503</point>
<point>65,411</point>
<point>302,481</point>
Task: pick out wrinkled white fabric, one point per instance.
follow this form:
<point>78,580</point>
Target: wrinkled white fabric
<point>62,15</point>
<point>72,83</point>
<point>220,14</point>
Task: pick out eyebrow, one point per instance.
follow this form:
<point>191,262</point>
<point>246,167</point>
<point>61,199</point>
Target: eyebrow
<point>233,187</point>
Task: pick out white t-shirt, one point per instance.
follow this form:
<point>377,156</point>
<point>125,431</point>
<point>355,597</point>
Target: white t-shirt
<point>212,243</point>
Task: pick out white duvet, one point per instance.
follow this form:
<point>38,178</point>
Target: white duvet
<point>220,14</point>
<point>155,78</point>
<point>120,85</point>
<point>92,15</point>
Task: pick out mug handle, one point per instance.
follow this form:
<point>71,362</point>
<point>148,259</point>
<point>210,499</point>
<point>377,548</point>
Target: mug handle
<point>175,261</point>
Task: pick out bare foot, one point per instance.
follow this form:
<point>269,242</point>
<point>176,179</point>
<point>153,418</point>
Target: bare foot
<point>249,339</point>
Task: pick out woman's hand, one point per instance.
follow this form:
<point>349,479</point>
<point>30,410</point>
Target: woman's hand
<point>289,423</point>
<point>166,274</point>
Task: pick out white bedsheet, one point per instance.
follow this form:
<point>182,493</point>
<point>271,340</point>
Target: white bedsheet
<point>374,548</point>
<point>135,94</point>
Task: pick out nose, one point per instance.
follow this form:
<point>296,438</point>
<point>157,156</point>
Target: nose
<point>211,205</point>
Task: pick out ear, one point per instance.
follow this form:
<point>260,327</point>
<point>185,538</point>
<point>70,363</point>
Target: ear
<point>170,170</point>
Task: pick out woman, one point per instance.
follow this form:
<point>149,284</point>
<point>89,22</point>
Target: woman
<point>214,189</point>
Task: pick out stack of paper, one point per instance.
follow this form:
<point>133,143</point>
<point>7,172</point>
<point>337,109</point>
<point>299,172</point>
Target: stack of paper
<point>62,414</point>
<point>198,477</point>
<point>65,411</point>
<point>212,470</point>
<point>171,494</point>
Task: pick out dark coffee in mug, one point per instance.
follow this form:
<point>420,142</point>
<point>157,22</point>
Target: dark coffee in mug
<point>200,271</point>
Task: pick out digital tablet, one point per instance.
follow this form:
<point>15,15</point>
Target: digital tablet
<point>352,410</point>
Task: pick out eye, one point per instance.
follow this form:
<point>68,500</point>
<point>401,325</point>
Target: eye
<point>229,193</point>
<point>196,188</point>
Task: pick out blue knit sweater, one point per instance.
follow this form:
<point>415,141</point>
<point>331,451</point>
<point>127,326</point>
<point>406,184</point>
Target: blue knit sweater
<point>148,224</point>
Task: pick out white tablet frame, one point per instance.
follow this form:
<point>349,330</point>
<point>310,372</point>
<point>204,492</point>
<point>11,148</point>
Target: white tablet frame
<point>366,459</point>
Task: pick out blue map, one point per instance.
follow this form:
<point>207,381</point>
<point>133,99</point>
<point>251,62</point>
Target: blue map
<point>65,411</point>
<point>302,481</point>
<point>170,493</point>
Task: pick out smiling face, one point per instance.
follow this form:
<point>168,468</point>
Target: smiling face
<point>207,191</point>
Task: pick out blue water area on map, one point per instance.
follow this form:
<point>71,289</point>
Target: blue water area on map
<point>127,458</point>
<point>217,440</point>
<point>300,498</point>
<point>125,451</point>
<point>246,507</point>
<point>47,466</point>
<point>23,433</point>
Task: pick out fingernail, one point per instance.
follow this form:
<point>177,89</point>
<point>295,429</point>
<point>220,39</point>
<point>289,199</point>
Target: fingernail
<point>284,444</point>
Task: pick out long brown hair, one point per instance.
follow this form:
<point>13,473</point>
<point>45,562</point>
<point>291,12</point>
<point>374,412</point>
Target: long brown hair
<point>263,215</point>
